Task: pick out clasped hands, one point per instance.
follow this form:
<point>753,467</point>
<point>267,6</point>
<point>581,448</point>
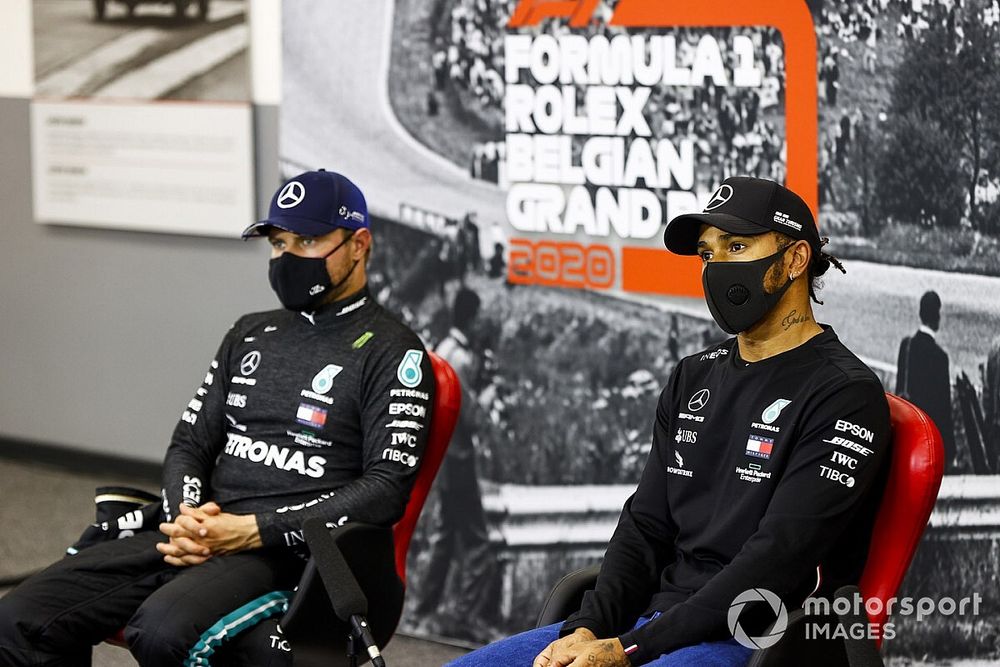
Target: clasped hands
<point>200,533</point>
<point>583,649</point>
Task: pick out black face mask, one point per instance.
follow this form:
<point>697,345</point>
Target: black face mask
<point>302,283</point>
<point>735,292</point>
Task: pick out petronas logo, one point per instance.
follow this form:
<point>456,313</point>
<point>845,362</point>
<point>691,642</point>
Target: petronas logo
<point>772,411</point>
<point>323,381</point>
<point>409,373</point>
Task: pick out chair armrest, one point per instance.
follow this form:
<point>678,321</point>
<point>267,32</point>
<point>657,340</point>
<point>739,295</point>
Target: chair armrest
<point>795,648</point>
<point>567,595</point>
<point>861,652</point>
<point>317,635</point>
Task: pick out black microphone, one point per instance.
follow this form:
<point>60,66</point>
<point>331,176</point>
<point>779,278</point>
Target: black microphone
<point>348,600</point>
<point>342,587</point>
<point>361,631</point>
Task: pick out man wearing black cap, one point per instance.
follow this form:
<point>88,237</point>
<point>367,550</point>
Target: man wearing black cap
<point>766,464</point>
<point>319,409</point>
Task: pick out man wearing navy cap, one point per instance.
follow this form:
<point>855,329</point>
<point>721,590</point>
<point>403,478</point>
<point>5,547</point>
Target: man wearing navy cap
<point>319,409</point>
<point>766,465</point>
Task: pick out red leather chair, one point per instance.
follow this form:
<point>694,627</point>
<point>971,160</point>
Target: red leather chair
<point>915,472</point>
<point>309,623</point>
<point>911,490</point>
<point>447,403</point>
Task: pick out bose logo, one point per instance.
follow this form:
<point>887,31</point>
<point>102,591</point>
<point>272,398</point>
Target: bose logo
<point>850,444</point>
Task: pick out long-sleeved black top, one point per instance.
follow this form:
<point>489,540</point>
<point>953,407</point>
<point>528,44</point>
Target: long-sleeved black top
<point>761,475</point>
<point>306,415</point>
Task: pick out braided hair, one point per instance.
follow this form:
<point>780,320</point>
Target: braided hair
<point>818,265</point>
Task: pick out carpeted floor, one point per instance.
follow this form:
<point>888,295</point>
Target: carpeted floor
<point>44,508</point>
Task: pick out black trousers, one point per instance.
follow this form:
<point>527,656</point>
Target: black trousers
<point>223,612</point>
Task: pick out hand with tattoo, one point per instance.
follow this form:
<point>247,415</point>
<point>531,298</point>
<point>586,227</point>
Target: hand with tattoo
<point>583,653</point>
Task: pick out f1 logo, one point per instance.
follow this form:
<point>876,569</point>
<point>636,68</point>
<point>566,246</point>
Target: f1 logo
<point>533,12</point>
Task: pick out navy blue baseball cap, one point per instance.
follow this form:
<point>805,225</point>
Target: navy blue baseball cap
<point>313,204</point>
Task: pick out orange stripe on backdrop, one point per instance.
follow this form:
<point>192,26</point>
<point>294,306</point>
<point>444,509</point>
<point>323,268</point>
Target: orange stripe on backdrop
<point>657,271</point>
<point>793,20</point>
<point>646,270</point>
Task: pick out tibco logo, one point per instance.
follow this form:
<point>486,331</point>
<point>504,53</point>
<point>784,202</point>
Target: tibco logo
<point>390,454</point>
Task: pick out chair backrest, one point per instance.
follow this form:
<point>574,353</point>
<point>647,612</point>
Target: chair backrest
<point>444,415</point>
<point>915,473</point>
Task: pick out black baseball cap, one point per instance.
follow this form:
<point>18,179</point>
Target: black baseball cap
<point>746,206</point>
<point>313,204</point>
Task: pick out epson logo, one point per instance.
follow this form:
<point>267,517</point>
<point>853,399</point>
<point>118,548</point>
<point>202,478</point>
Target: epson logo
<point>854,429</point>
<point>242,447</point>
<point>407,409</point>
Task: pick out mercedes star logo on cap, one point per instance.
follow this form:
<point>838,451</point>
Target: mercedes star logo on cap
<point>291,195</point>
<point>720,197</point>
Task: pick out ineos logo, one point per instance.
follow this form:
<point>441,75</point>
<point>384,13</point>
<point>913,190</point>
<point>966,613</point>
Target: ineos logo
<point>250,362</point>
<point>721,196</point>
<point>699,400</point>
<point>291,195</point>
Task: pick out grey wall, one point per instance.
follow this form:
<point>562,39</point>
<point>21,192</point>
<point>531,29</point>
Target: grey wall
<point>105,335</point>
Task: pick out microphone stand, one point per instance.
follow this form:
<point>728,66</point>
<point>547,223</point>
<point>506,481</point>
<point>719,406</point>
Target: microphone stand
<point>360,636</point>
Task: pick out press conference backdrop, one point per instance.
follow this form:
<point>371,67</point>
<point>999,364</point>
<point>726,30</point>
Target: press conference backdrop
<point>537,165</point>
